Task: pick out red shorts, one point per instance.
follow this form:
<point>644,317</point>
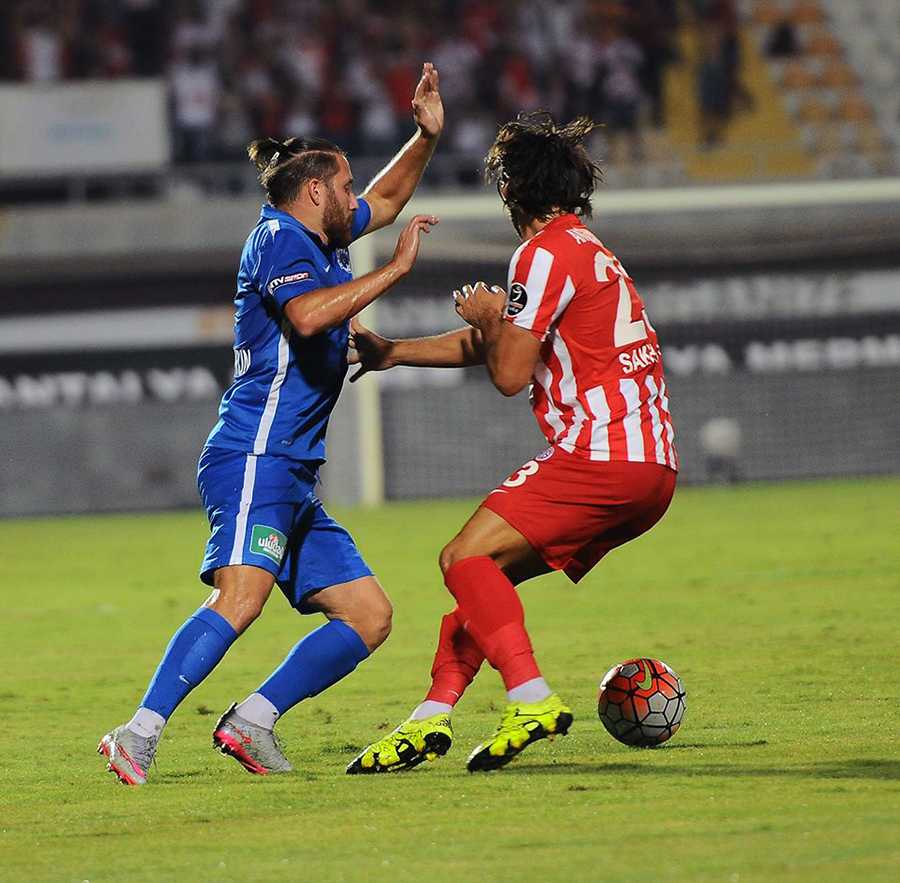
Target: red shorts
<point>574,510</point>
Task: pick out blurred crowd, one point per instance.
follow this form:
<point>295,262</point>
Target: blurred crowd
<point>346,69</point>
<point>720,88</point>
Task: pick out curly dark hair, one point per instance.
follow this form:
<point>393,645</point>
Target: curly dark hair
<point>285,166</point>
<point>541,167</point>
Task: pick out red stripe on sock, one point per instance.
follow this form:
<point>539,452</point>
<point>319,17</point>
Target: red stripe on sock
<point>491,612</point>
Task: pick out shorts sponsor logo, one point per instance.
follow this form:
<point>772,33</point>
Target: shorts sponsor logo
<point>278,281</point>
<point>268,541</point>
<point>518,298</point>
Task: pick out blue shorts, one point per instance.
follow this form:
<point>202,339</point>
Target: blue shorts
<point>262,511</point>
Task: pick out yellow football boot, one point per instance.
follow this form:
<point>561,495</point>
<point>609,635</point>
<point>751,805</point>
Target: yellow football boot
<point>522,723</point>
<point>413,742</point>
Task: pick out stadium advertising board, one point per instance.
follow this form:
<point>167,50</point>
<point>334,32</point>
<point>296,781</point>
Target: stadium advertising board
<point>83,128</point>
<point>755,323</point>
<point>97,370</point>
<point>772,375</point>
<point>754,361</point>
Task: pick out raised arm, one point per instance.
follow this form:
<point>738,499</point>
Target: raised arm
<point>455,349</point>
<point>392,187</point>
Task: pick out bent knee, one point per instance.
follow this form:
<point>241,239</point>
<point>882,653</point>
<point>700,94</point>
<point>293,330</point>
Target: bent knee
<point>239,595</point>
<point>374,624</point>
<point>458,550</point>
<point>454,552</point>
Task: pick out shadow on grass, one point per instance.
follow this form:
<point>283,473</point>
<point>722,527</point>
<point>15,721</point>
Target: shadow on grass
<point>680,746</point>
<point>837,769</point>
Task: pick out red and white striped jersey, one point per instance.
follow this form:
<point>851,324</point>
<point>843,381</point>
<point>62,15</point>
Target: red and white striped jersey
<point>598,388</point>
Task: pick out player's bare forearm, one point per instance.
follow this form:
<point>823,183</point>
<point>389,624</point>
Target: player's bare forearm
<point>455,349</point>
<point>372,352</point>
<point>393,186</point>
<point>510,354</point>
<point>328,308</point>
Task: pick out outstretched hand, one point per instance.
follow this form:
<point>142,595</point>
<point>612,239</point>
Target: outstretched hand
<point>408,241</point>
<point>479,305</point>
<point>368,350</point>
<point>428,109</point>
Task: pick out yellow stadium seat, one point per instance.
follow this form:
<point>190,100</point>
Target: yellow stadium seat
<point>797,76</point>
<point>839,75</point>
<point>806,12</point>
<point>823,44</point>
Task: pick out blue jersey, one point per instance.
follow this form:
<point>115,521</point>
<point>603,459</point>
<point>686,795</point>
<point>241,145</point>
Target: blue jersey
<point>285,386</point>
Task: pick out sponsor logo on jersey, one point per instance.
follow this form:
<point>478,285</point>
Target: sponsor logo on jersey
<point>278,281</point>
<point>268,541</point>
<point>518,298</point>
<point>343,259</point>
<point>241,362</point>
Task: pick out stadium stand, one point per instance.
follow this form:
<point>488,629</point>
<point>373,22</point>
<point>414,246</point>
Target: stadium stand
<point>776,303</point>
<point>837,79</point>
<point>870,31</point>
<point>717,89</point>
<point>755,138</point>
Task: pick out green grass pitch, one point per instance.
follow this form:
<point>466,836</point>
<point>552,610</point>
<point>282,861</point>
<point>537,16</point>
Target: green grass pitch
<point>778,605</point>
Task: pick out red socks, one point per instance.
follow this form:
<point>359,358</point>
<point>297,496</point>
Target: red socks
<point>491,612</point>
<point>456,661</point>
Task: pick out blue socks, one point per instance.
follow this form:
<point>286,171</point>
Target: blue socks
<point>321,659</point>
<point>194,651</point>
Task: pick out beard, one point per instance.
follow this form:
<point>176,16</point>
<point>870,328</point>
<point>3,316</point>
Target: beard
<point>335,222</point>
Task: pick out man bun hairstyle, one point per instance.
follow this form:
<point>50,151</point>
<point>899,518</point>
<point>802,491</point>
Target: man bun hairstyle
<point>541,166</point>
<point>285,166</point>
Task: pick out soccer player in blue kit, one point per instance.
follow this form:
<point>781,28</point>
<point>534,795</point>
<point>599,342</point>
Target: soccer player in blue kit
<point>295,298</point>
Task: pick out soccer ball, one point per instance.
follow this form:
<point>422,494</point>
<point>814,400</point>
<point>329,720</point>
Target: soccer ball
<point>641,702</point>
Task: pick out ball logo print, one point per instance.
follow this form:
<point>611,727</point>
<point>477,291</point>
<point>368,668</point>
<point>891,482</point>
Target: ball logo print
<point>647,683</point>
<point>518,298</point>
<point>641,702</point>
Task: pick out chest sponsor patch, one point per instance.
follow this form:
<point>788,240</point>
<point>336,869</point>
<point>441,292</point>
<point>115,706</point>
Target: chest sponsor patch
<point>518,298</point>
<point>278,281</point>
<point>268,541</point>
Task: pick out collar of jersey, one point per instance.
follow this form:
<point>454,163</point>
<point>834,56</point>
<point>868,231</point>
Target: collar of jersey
<point>567,220</point>
<point>270,213</point>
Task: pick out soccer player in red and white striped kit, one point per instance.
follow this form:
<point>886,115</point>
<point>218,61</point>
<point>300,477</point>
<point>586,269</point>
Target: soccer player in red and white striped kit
<point>573,327</point>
